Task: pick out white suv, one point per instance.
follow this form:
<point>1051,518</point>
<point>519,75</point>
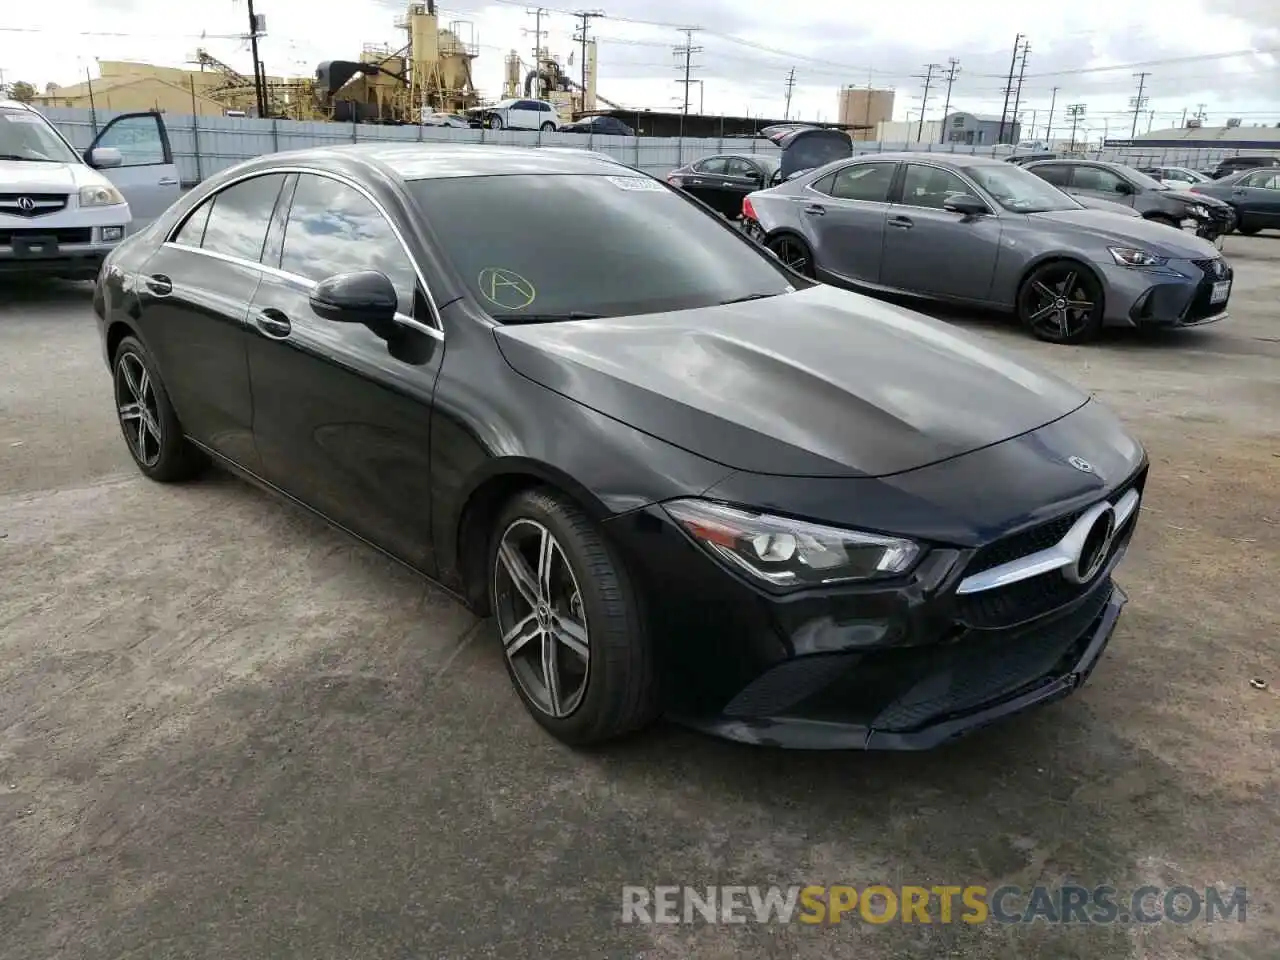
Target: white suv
<point>59,216</point>
<point>521,115</point>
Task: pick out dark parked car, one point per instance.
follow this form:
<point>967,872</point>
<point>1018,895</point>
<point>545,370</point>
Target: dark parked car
<point>680,477</point>
<point>609,126</point>
<point>1254,195</point>
<point>722,181</point>
<point>981,232</point>
<point>1151,198</point>
<point>1236,164</point>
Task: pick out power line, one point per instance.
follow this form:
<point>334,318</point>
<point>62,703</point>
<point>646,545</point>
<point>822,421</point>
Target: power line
<point>585,17</point>
<point>1048,133</point>
<point>1022,71</point>
<point>537,14</point>
<point>953,71</point>
<point>1013,64</point>
<point>791,83</point>
<point>1076,112</point>
<point>927,77</point>
<point>687,51</point>
<point>1138,103</point>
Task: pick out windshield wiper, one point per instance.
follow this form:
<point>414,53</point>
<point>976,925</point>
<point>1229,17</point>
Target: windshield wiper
<point>749,296</point>
<point>15,156</point>
<point>518,318</point>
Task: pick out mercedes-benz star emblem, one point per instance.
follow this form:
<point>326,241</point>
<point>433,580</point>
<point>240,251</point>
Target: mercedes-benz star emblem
<point>1084,466</point>
<point>1094,548</point>
<point>26,204</point>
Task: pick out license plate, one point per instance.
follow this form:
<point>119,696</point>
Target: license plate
<point>34,246</point>
<point>1221,290</point>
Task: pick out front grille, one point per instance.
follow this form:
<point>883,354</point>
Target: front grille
<point>1036,596</point>
<point>41,204</point>
<point>64,235</point>
<point>1200,307</point>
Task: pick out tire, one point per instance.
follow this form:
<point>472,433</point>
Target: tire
<point>793,252</point>
<point>548,128</point>
<point>147,419</point>
<point>1247,231</point>
<point>1054,287</point>
<point>613,690</point>
<point>494,122</point>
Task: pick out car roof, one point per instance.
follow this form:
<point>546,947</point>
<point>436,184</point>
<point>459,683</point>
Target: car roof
<point>955,159</point>
<point>436,160</point>
<point>17,105</point>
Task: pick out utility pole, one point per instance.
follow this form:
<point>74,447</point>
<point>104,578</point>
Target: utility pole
<point>1138,103</point>
<point>537,13</point>
<point>927,77</point>
<point>1022,70</point>
<point>791,83</point>
<point>687,51</point>
<point>585,17</point>
<point>256,29</point>
<point>1048,134</point>
<point>953,69</point>
<point>1013,65</point>
<point>1200,114</point>
<point>1151,118</point>
<point>1076,112</point>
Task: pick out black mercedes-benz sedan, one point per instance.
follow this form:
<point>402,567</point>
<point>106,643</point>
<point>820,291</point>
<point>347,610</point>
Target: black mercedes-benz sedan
<point>680,478</point>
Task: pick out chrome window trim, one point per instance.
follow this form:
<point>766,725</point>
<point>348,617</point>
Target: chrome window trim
<point>1063,553</point>
<point>436,330</point>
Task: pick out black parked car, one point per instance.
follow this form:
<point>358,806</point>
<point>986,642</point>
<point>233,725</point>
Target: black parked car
<point>610,126</point>
<point>1118,183</point>
<point>1254,195</point>
<point>1236,164</point>
<point>680,477</point>
<point>723,181</point>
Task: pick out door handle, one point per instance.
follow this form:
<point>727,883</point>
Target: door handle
<point>167,182</point>
<point>273,323</point>
<point>815,210</point>
<point>902,223</point>
<point>159,284</point>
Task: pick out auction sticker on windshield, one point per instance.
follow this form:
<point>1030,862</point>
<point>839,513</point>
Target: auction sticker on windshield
<point>505,288</point>
<point>641,184</point>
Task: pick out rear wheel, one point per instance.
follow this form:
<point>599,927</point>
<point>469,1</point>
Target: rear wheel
<point>569,622</point>
<point>548,127</point>
<point>1247,231</point>
<point>495,122</point>
<point>147,418</point>
<point>794,253</point>
<point>1061,302</point>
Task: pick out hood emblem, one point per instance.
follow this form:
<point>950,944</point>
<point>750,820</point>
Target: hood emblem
<point>26,204</point>
<point>1084,466</point>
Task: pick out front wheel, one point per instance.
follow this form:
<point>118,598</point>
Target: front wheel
<point>569,622</point>
<point>147,418</point>
<point>548,128</point>
<point>495,122</point>
<point>1061,302</point>
<point>794,254</point>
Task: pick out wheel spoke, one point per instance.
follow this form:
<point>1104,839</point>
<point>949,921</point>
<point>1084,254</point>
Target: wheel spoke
<point>1045,291</point>
<point>514,640</point>
<point>130,381</point>
<point>130,411</point>
<point>520,574</point>
<point>1069,284</point>
<point>1080,304</point>
<point>572,635</point>
<point>144,385</point>
<point>546,560</point>
<point>1042,313</point>
<point>551,673</point>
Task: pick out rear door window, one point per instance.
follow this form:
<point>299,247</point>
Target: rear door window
<point>869,182</point>
<point>237,224</point>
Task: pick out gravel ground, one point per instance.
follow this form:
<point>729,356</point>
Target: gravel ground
<point>228,731</point>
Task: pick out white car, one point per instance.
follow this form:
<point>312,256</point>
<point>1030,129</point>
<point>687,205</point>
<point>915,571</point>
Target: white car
<point>521,115</point>
<point>1176,178</point>
<point>62,212</point>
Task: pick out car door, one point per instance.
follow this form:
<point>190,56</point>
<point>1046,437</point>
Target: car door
<point>147,175</point>
<point>843,216</point>
<point>1100,183</point>
<point>931,250</point>
<point>546,115</point>
<point>1257,194</point>
<point>523,115</point>
<point>193,302</point>
<point>342,417</point>
<point>741,177</point>
<point>704,180</point>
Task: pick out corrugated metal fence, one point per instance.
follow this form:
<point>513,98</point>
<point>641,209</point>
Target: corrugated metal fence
<point>204,145</point>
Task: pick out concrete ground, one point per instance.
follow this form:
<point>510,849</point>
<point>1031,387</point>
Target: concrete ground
<point>228,731</point>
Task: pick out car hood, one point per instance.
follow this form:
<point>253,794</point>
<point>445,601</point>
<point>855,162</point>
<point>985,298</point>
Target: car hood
<point>24,175</point>
<point>821,382</point>
<point>1186,196</point>
<point>1118,228</point>
<point>1094,203</point>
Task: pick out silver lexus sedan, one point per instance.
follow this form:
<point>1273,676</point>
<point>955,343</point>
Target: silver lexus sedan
<point>978,231</point>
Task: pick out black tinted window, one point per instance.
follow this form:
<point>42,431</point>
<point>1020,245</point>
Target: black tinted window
<point>238,222</point>
<point>192,232</point>
<point>1056,174</point>
<point>333,228</point>
<point>632,246</point>
<point>863,181</point>
<point>1095,179</point>
<point>714,165</point>
<point>930,187</point>
<point>823,184</point>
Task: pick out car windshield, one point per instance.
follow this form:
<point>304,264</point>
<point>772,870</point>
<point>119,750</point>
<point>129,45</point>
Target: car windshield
<point>1017,189</point>
<point>25,135</point>
<point>632,245</point>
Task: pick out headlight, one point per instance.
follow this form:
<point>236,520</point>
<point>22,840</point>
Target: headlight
<point>1199,211</point>
<point>1133,257</point>
<point>104,196</point>
<point>787,553</point>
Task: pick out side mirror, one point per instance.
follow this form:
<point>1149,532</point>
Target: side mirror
<point>102,158</point>
<point>1124,188</point>
<point>967,204</point>
<point>366,297</point>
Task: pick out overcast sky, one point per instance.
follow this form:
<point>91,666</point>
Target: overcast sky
<point>746,49</point>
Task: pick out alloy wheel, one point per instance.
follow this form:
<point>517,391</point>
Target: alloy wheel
<point>137,409</point>
<point>1059,303</point>
<point>793,254</point>
<point>541,618</point>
